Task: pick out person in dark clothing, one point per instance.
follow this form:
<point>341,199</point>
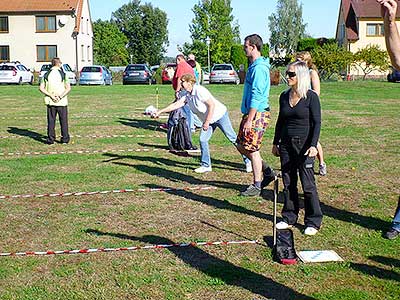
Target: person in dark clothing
<point>296,137</point>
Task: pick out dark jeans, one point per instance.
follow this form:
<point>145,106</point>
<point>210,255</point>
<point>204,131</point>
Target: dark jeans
<point>52,112</point>
<point>293,160</point>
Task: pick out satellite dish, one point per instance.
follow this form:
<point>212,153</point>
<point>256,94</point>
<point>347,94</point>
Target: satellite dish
<point>62,21</point>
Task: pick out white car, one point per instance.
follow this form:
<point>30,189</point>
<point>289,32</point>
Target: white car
<point>15,72</point>
<point>66,68</point>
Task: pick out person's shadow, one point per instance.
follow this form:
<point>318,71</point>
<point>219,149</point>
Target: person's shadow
<point>150,124</point>
<point>377,271</point>
<point>217,268</point>
<point>28,133</point>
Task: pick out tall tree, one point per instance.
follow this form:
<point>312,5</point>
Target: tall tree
<point>286,26</point>
<point>109,44</point>
<point>146,29</point>
<point>371,58</point>
<point>213,19</point>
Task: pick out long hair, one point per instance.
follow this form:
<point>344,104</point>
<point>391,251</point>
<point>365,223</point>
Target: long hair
<point>303,77</point>
<point>306,57</point>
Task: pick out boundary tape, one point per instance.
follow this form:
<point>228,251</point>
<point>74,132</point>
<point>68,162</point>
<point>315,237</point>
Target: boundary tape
<point>83,117</point>
<point>133,248</point>
<point>147,190</point>
<point>93,136</point>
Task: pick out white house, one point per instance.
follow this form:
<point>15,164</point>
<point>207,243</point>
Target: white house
<point>35,31</point>
<point>360,24</point>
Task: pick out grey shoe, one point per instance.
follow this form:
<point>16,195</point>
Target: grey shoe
<point>322,169</point>
<point>251,190</point>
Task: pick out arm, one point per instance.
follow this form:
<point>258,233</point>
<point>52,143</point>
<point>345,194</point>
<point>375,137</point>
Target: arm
<point>173,106</point>
<point>210,112</point>
<point>42,88</point>
<point>392,36</point>
<point>315,115</point>
<point>66,91</point>
<point>315,82</point>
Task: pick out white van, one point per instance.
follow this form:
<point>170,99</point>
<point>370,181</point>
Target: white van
<point>67,70</point>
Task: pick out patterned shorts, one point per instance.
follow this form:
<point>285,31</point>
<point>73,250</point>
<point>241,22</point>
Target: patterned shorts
<point>252,140</point>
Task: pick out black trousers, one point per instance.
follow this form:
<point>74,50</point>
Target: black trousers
<point>293,162</point>
<point>52,112</point>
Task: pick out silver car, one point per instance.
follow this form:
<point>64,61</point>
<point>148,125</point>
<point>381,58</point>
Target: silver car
<point>224,73</point>
<point>91,75</point>
<point>66,68</point>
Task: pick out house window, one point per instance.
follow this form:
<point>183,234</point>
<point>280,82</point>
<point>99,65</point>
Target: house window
<point>375,30</point>
<point>87,26</point>
<point>46,53</point>
<point>88,53</point>
<point>82,25</point>
<point>3,24</point>
<point>4,53</point>
<point>45,23</point>
<point>83,52</point>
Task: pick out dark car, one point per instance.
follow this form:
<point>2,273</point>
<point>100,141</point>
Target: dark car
<point>394,76</point>
<point>137,73</point>
<point>168,73</point>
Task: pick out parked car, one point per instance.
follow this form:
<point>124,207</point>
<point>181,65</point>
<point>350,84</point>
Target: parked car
<point>95,75</point>
<point>168,73</point>
<point>137,73</point>
<point>14,72</point>
<point>205,76</point>
<point>224,73</point>
<point>66,68</point>
<point>394,75</point>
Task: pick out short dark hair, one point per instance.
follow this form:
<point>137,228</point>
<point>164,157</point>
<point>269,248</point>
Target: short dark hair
<point>180,56</point>
<point>55,61</point>
<point>255,40</point>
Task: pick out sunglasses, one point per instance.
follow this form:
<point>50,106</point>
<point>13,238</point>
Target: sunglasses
<point>290,74</point>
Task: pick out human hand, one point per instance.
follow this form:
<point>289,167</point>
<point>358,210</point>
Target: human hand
<point>206,125</point>
<point>247,126</point>
<point>388,9</point>
<point>155,114</point>
<point>275,150</point>
<point>311,152</point>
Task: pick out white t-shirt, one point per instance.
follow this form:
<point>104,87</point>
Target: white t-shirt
<point>56,86</point>
<point>197,99</point>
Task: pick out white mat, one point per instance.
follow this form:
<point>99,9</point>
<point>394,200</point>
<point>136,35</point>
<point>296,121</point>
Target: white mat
<point>318,256</point>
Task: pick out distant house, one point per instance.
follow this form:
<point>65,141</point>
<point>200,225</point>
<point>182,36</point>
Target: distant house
<point>360,24</point>
<point>35,31</point>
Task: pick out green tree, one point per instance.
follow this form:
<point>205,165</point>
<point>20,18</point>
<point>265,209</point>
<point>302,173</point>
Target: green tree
<point>371,58</point>
<point>146,29</point>
<point>109,44</point>
<point>286,26</point>
<point>213,19</point>
<point>331,59</point>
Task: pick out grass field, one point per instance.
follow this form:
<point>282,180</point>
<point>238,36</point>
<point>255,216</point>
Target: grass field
<point>360,136</point>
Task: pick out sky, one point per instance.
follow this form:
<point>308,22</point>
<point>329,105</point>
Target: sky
<point>252,15</point>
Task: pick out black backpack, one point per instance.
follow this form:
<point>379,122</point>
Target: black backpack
<point>178,131</point>
<point>62,73</point>
<point>284,251</point>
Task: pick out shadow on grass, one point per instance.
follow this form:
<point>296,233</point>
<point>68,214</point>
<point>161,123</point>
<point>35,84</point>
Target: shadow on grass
<point>393,262</point>
<point>376,271</point>
<point>217,268</point>
<point>150,124</point>
<point>210,201</point>
<point>28,133</point>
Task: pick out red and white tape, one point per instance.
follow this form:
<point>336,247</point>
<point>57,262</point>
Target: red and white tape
<point>146,190</point>
<point>93,136</point>
<point>133,248</point>
<point>82,117</point>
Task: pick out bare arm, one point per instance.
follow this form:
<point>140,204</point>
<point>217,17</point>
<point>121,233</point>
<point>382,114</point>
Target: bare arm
<point>173,106</point>
<point>315,82</point>
<point>42,88</point>
<point>392,36</point>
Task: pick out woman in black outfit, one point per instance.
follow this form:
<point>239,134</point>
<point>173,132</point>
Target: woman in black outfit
<point>296,137</point>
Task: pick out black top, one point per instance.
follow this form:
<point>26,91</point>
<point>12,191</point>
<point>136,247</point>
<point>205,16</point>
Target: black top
<point>302,120</point>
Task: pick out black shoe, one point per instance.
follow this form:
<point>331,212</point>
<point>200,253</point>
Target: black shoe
<point>269,176</point>
<point>49,142</point>
<point>392,234</point>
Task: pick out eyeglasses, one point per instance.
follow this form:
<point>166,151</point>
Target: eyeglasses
<point>290,74</point>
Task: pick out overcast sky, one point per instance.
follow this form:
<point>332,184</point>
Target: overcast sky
<point>252,15</point>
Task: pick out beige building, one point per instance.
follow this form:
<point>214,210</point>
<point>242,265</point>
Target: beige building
<point>360,24</point>
<point>33,32</point>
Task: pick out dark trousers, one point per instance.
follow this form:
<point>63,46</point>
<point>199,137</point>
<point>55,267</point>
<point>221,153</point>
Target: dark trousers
<point>52,112</point>
<point>294,161</point>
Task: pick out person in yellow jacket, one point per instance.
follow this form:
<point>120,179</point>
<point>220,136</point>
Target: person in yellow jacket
<point>55,86</point>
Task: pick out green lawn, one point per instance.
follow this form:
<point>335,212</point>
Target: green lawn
<point>360,137</point>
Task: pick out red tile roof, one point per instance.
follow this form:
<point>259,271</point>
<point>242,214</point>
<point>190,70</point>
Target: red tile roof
<point>34,6</point>
<point>368,9</point>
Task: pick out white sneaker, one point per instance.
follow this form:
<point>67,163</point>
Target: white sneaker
<point>249,167</point>
<point>310,231</point>
<point>283,225</point>
<point>203,169</point>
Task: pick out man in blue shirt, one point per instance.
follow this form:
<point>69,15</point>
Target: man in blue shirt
<point>256,114</point>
